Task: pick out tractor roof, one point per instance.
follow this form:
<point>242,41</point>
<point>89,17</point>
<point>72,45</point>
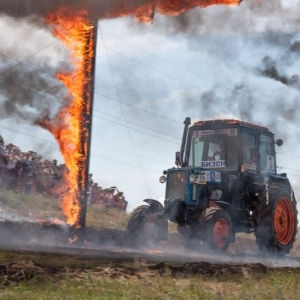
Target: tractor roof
<point>220,122</point>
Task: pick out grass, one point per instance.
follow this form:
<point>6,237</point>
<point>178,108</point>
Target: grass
<point>100,216</point>
<point>44,207</point>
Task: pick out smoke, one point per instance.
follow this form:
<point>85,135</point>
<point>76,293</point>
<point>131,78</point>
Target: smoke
<point>28,84</point>
<point>250,16</point>
<point>101,8</point>
<point>270,69</point>
<point>252,61</point>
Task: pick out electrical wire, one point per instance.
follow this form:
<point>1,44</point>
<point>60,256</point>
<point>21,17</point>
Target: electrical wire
<point>137,108</point>
<point>121,102</point>
<point>123,115</point>
<point>137,130</point>
<point>129,153</point>
<point>93,144</point>
<point>178,79</point>
<point>125,163</point>
<point>180,67</point>
<point>26,59</point>
<point>139,125</point>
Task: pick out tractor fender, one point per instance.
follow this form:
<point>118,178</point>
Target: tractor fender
<point>227,206</point>
<point>280,181</point>
<point>155,206</point>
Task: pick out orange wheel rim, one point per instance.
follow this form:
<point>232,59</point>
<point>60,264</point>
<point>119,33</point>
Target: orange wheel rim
<point>221,232</point>
<point>284,220</point>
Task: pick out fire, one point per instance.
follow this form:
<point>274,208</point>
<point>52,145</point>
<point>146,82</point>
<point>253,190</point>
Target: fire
<point>145,11</point>
<point>70,127</point>
<point>153,251</point>
<point>73,239</point>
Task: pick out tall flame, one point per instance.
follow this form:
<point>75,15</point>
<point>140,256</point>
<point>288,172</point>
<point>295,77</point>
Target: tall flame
<point>69,129</point>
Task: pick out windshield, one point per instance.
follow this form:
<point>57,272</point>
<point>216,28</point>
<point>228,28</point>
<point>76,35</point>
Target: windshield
<point>214,149</point>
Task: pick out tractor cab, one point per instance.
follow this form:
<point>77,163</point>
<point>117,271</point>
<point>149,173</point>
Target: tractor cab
<point>229,145</point>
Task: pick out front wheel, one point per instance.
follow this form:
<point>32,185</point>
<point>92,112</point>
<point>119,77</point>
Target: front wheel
<point>277,223</point>
<point>216,227</point>
<point>146,228</point>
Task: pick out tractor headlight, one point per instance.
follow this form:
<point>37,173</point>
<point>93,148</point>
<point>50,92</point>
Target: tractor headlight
<point>162,179</point>
<point>192,178</point>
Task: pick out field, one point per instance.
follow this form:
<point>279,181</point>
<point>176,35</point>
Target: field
<point>116,273</point>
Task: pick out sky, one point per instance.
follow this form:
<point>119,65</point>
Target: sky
<point>219,62</point>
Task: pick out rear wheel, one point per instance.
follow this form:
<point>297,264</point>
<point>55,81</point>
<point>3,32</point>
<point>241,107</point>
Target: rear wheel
<point>143,228</point>
<point>217,229</point>
<point>277,223</point>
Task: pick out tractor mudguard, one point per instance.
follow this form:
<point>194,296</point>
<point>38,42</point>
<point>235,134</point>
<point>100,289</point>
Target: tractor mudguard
<point>278,178</point>
<point>155,206</point>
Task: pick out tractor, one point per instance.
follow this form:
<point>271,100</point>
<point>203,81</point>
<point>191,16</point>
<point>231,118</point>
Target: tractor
<point>225,182</point>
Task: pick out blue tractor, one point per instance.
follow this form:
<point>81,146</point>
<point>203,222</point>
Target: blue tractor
<point>225,182</point>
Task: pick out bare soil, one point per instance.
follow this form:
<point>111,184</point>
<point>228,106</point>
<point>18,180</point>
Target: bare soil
<point>105,252</point>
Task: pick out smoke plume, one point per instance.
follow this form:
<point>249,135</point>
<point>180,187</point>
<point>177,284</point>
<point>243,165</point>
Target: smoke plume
<point>270,69</point>
<point>104,9</point>
<point>29,88</point>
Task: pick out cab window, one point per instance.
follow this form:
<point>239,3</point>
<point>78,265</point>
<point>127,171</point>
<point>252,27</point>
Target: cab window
<point>266,154</point>
<point>248,163</point>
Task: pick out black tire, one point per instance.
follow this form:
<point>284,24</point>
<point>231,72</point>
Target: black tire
<point>216,229</point>
<point>142,232</point>
<point>277,223</point>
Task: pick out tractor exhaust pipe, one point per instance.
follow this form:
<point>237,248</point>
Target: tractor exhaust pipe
<point>187,123</point>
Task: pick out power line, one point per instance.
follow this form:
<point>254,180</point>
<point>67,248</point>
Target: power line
<point>156,70</point>
<point>22,62</point>
<point>26,134</point>
<point>285,168</point>
<point>173,77</point>
<point>137,130</point>
<point>129,153</point>
<point>137,108</point>
<point>156,56</point>
<point>123,115</point>
<point>141,126</point>
<point>105,96</point>
<point>128,164</point>
<point>93,144</point>
<point>177,66</point>
<point>178,79</point>
<point>121,102</point>
<point>288,155</point>
<point>132,106</point>
<point>54,143</point>
<point>125,163</point>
